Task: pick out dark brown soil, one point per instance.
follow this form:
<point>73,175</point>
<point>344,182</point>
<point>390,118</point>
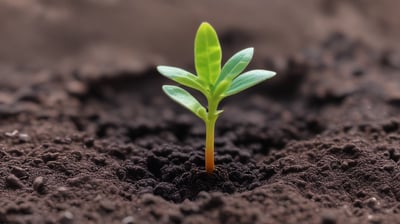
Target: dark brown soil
<point>317,144</point>
<point>90,140</point>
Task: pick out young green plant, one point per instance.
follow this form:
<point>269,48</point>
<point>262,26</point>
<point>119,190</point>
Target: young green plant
<point>214,82</point>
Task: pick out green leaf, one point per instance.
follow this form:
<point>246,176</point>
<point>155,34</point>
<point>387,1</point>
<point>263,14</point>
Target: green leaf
<point>221,88</point>
<point>247,80</point>
<point>207,54</point>
<point>236,64</point>
<point>182,77</point>
<point>185,99</point>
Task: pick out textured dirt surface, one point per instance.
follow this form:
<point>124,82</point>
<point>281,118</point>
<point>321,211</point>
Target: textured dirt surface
<point>87,136</point>
<point>318,144</point>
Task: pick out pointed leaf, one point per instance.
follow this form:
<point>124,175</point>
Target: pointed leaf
<point>182,77</point>
<point>236,64</point>
<point>207,54</point>
<point>247,80</point>
<point>221,88</point>
<point>185,99</point>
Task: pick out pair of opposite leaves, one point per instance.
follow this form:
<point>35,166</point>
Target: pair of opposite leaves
<point>212,81</point>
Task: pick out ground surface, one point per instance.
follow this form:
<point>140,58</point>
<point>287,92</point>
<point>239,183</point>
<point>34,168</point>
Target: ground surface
<point>91,140</point>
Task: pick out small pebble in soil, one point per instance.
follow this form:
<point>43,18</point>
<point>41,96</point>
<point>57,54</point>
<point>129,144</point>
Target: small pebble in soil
<point>107,206</point>
<point>24,138</point>
<point>13,182</point>
<point>128,220</point>
<point>66,218</point>
<point>19,172</point>
<point>11,134</point>
<point>62,191</point>
<point>76,88</point>
<point>38,184</point>
<point>372,203</point>
<point>77,181</point>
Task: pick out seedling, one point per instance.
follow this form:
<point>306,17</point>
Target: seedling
<point>212,81</point>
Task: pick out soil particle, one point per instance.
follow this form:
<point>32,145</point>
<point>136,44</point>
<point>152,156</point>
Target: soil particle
<point>66,218</point>
<point>14,182</point>
<point>24,138</point>
<point>107,206</point>
<point>39,184</point>
<point>129,220</point>
<point>372,203</point>
<point>19,172</point>
<point>76,88</point>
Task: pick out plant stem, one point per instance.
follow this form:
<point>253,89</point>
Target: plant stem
<point>209,153</point>
<point>210,129</point>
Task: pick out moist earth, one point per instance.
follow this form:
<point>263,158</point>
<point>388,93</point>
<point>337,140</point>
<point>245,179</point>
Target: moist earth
<point>319,143</point>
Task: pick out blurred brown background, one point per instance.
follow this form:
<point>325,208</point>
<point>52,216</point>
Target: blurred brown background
<point>44,33</point>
